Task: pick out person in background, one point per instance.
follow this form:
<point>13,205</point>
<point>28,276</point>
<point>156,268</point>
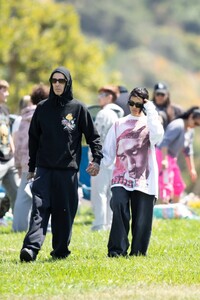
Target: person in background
<point>178,136</point>
<point>166,110</point>
<point>24,102</point>
<point>55,136</point>
<point>8,174</point>
<point>23,203</point>
<point>100,184</point>
<point>130,145</point>
<point>122,99</point>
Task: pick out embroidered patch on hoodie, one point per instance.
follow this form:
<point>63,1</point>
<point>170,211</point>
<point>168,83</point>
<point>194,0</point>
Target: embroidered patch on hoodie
<point>69,122</point>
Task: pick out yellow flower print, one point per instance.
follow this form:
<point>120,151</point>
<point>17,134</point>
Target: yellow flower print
<point>69,117</point>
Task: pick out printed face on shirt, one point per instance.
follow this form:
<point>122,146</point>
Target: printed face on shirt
<point>132,153</point>
<point>58,86</point>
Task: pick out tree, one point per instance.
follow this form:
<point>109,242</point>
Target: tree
<point>37,36</point>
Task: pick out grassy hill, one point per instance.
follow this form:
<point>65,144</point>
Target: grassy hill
<point>170,271</point>
<point>155,41</point>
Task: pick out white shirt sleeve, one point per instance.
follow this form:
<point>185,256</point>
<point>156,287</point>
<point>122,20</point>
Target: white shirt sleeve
<point>154,124</point>
<point>109,147</point>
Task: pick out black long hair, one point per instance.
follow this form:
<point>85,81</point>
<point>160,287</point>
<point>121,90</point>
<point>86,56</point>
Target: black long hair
<point>140,92</point>
<point>194,110</point>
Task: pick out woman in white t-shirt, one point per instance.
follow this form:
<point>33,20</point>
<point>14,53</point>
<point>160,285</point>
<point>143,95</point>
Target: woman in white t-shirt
<point>130,144</point>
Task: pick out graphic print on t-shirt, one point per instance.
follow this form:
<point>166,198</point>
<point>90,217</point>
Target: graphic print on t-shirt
<point>4,136</point>
<point>132,166</point>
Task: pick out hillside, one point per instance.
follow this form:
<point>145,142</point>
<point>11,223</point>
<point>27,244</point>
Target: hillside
<point>155,41</point>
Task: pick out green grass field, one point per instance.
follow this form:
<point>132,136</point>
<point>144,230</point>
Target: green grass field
<point>170,271</point>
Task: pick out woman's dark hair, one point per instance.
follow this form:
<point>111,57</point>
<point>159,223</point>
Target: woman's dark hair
<point>40,92</point>
<point>194,110</point>
<point>139,92</point>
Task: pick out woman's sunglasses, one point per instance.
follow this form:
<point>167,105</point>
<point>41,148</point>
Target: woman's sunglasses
<point>137,104</point>
<point>59,80</point>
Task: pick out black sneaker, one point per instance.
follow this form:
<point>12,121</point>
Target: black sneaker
<point>116,254</point>
<point>63,256</point>
<point>27,255</point>
<point>113,254</point>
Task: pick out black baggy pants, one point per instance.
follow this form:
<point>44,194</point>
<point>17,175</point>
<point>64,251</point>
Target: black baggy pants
<point>141,205</point>
<point>55,193</point>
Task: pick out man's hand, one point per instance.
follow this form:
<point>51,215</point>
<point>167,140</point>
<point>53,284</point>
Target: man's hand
<point>93,169</point>
<point>30,176</point>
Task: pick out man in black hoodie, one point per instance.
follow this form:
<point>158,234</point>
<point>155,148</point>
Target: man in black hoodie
<point>55,152</point>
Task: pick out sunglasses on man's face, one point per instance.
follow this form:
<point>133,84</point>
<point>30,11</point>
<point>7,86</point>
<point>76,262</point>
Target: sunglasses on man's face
<point>137,104</point>
<point>59,80</point>
<point>160,94</point>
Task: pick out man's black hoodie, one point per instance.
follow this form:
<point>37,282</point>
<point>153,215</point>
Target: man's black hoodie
<point>56,130</point>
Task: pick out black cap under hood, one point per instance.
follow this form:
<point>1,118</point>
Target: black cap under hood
<point>67,95</point>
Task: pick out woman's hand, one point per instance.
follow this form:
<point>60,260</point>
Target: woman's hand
<point>145,101</point>
<point>93,169</point>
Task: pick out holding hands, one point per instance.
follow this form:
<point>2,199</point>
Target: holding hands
<point>93,169</point>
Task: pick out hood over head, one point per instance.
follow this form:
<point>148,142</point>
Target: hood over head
<point>67,95</point>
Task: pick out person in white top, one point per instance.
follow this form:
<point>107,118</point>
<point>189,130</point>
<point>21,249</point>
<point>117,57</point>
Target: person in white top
<point>100,185</point>
<point>130,144</point>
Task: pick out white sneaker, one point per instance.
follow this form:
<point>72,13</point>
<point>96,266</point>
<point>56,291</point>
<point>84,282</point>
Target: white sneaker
<point>3,222</point>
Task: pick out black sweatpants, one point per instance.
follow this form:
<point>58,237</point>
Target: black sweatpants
<point>55,193</point>
<point>141,205</point>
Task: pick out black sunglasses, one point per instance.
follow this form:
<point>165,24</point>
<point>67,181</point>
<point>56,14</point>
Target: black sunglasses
<point>137,104</point>
<point>59,80</point>
<point>160,94</point>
